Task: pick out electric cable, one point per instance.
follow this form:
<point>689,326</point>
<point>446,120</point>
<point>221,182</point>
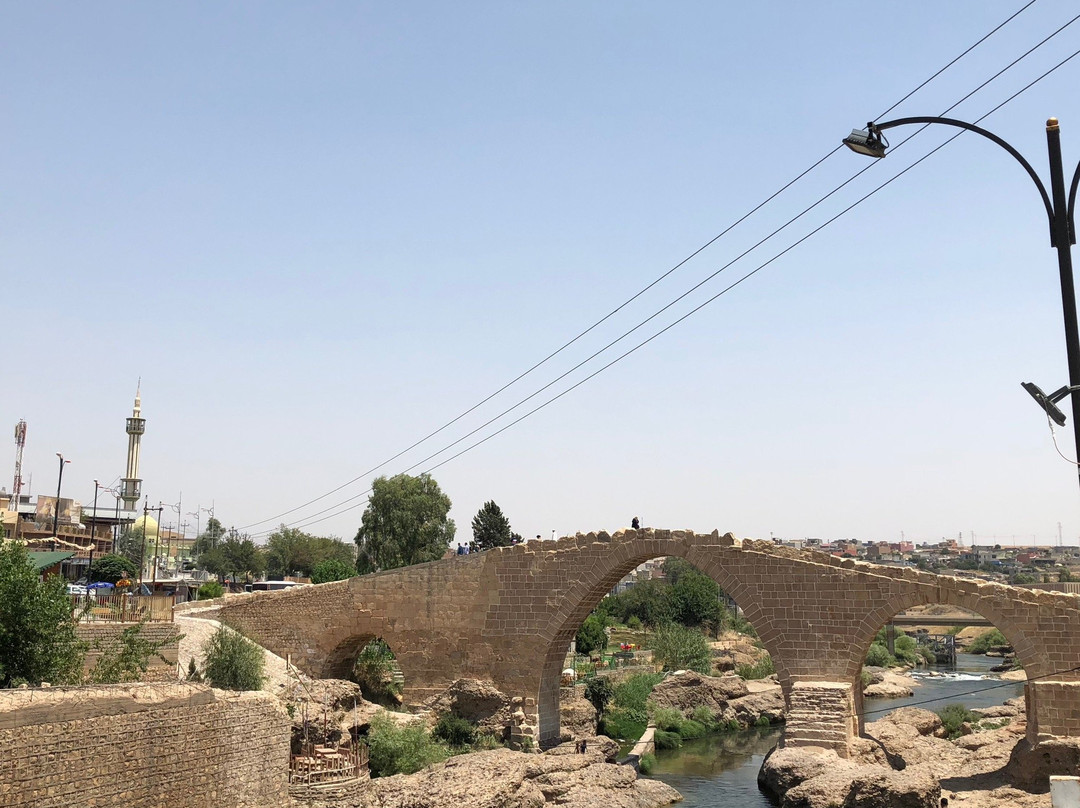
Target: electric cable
<point>865,713</point>
<point>310,520</point>
<point>642,291</point>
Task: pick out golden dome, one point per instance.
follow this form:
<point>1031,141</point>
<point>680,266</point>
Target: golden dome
<point>150,523</point>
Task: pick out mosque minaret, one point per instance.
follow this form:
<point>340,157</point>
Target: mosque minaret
<point>132,483</point>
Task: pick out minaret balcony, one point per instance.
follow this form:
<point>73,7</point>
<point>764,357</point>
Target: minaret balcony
<point>136,426</point>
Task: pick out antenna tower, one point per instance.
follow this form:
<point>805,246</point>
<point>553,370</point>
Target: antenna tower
<point>20,444</point>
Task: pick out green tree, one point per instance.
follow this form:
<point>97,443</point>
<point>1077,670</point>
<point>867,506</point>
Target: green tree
<point>591,636</point>
<point>406,522</point>
<point>132,545</point>
<point>290,551</point>
<point>599,691</point>
<point>112,568</point>
<point>242,557</point>
<point>232,661</point>
<point>490,528</point>
<point>695,599</point>
<point>332,569</point>
<point>37,628</point>
<point>209,538</point>
<point>677,647</point>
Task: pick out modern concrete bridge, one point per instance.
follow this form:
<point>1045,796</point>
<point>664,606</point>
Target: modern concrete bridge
<point>508,615</point>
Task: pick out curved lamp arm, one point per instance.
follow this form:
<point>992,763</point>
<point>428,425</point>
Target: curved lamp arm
<point>877,127</point>
<point>1072,204</point>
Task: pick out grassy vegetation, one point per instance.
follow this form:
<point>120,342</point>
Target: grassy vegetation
<point>759,670</point>
<point>626,715</point>
<point>987,640</point>
<point>401,750</point>
<point>953,716</point>
<point>647,763</point>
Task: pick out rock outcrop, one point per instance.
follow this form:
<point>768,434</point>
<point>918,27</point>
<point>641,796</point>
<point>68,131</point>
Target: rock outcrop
<point>504,779</point>
<point>577,717</point>
<point>476,701</point>
<point>729,697</point>
<point>887,684</point>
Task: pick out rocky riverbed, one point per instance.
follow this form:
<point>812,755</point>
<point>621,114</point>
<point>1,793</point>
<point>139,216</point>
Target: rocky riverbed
<point>500,778</point>
<point>905,762</point>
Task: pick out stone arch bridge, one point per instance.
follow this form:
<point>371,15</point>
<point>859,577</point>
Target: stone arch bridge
<point>508,615</point>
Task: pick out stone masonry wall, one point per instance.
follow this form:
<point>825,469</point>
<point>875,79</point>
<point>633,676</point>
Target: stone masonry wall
<point>507,615</point>
<point>106,633</point>
<point>146,745</point>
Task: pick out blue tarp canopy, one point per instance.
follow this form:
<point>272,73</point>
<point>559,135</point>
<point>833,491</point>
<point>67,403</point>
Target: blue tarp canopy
<point>101,585</point>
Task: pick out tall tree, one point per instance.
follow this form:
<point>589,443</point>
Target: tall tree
<point>131,545</point>
<point>209,538</point>
<point>406,522</point>
<point>290,551</point>
<point>490,528</point>
<point>37,629</point>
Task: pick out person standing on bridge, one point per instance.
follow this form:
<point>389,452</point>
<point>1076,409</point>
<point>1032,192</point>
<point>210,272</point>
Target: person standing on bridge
<point>635,524</point>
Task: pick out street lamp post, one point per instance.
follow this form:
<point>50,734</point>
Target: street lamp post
<point>90,563</point>
<point>59,480</point>
<point>1060,212</point>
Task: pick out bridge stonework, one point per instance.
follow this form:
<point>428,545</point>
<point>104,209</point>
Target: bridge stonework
<point>508,615</point>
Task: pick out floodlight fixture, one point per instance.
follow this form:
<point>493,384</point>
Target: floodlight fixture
<point>1049,402</point>
<point>868,141</point>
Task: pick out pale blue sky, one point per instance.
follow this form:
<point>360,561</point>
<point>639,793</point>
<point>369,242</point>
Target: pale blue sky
<point>319,231</point>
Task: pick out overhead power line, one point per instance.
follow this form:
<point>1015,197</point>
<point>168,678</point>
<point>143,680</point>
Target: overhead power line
<point>649,286</point>
<point>312,520</point>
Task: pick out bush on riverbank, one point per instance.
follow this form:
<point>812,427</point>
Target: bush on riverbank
<point>987,640</point>
<point>400,750</point>
<point>626,716</point>
<point>759,670</point>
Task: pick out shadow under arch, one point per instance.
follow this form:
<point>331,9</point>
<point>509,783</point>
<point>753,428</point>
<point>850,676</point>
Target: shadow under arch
<point>1034,661</point>
<point>583,597</point>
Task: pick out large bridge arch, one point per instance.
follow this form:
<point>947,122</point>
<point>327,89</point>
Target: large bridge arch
<point>499,615</point>
<point>582,597</point>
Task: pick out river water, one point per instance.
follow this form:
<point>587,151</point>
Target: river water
<point>722,769</point>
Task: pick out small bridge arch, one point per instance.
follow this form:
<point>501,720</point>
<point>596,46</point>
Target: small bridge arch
<point>505,615</point>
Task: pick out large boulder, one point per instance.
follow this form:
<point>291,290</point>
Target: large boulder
<point>479,702</point>
<point>1030,767</point>
<point>888,684</point>
<point>577,717</point>
<point>688,690</point>
<point>879,788</point>
<point>503,779</point>
<point>767,703</point>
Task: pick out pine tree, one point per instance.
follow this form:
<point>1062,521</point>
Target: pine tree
<point>490,528</point>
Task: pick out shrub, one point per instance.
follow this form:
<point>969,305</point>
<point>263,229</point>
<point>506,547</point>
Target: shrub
<point>763,721</point>
<point>667,740</point>
<point>127,657</point>
<point>454,731</point>
<point>879,657</point>
<point>622,724</point>
<point>759,670</point>
<point>866,678</point>
<point>647,763</point>
<point>668,719</point>
<point>111,568</point>
<point>331,569</point>
<point>633,691</point>
<point>677,647</point>
<point>690,729</point>
<point>952,716</point>
<point>374,672</point>
<point>703,714</point>
<point>634,624</point>
<point>211,590</point>
<point>985,641</point>
<point>400,750</point>
<point>232,661</point>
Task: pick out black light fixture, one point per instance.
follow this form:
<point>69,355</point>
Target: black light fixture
<point>1049,402</point>
<point>868,141</point>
